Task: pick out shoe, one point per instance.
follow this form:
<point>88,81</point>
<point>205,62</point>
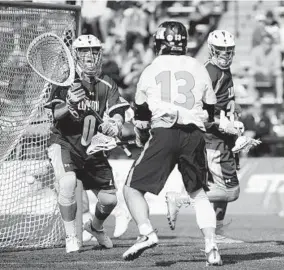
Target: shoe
<point>174,202</point>
<point>72,244</point>
<point>86,237</point>
<point>213,257</point>
<point>143,242</point>
<point>100,235</point>
<point>122,220</point>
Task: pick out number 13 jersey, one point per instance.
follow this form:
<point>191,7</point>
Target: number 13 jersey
<point>175,87</point>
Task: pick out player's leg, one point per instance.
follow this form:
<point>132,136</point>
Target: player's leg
<point>99,178</point>
<point>148,174</point>
<point>193,167</point>
<point>225,186</point>
<point>66,181</point>
<point>121,212</point>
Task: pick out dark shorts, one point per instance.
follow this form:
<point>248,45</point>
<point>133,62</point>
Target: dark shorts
<point>221,161</point>
<point>164,149</point>
<point>95,171</point>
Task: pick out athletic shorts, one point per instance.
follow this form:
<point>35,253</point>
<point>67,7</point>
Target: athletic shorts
<point>219,193</point>
<point>95,172</point>
<point>165,148</point>
<point>221,161</point>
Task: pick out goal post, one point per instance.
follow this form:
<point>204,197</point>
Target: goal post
<point>29,215</point>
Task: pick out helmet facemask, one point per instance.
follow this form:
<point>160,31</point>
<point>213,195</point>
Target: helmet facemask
<point>222,56</point>
<point>89,61</point>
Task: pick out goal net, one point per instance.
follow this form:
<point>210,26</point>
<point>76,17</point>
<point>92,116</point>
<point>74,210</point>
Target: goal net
<point>29,216</point>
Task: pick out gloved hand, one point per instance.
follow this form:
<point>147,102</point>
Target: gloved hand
<point>111,127</point>
<point>75,94</point>
<point>226,125</point>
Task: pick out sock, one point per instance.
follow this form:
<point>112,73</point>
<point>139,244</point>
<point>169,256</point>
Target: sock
<point>219,223</point>
<point>70,227</point>
<point>99,218</point>
<point>145,228</point>
<point>210,243</point>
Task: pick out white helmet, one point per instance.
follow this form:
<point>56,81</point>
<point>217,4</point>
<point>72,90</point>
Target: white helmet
<point>221,46</point>
<point>87,51</point>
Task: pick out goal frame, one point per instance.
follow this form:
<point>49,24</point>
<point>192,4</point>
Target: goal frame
<point>77,10</point>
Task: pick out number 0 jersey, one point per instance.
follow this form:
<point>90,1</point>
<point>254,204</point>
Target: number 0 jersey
<point>175,88</point>
<point>103,97</point>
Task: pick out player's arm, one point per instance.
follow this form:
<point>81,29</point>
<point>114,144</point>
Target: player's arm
<point>64,101</point>
<point>57,103</point>
<point>115,113</point>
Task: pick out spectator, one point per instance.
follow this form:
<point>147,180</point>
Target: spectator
<point>272,26</point>
<point>134,24</point>
<point>259,30</point>
<point>266,67</point>
<point>258,126</point>
<point>202,15</point>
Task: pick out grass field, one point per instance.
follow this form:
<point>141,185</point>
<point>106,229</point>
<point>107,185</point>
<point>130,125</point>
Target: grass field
<point>263,248</point>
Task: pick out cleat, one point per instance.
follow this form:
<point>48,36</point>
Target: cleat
<point>121,224</point>
<point>143,243</point>
<point>174,202</point>
<point>100,235</point>
<point>72,244</point>
<point>213,257</point>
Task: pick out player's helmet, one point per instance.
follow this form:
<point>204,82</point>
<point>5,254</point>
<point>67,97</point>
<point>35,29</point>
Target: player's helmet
<point>170,38</point>
<point>87,51</point>
<point>221,45</point>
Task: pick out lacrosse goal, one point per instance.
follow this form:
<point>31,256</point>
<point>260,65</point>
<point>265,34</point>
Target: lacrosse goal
<point>29,216</point>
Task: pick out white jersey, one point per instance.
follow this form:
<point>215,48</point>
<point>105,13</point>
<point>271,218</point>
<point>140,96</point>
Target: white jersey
<point>174,88</point>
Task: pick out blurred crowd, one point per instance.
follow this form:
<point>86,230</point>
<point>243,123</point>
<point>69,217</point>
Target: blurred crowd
<point>126,29</point>
<point>261,81</point>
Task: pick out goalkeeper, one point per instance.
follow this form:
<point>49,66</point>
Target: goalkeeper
<point>74,128</point>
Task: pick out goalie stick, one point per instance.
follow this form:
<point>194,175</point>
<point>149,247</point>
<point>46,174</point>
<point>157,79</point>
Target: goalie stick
<point>51,59</point>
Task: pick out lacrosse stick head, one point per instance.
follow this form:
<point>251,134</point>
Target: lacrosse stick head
<point>51,59</point>
<point>101,142</point>
<point>244,144</point>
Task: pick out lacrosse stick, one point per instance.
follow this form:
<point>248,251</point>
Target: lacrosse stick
<point>51,59</point>
<point>243,143</point>
<point>101,142</point>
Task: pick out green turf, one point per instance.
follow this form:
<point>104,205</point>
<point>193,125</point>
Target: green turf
<point>263,248</point>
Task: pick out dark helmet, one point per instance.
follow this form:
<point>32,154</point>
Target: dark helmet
<point>170,38</point>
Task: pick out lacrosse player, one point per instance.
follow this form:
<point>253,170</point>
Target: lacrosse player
<point>173,86</point>
<point>220,136</point>
<point>73,134</point>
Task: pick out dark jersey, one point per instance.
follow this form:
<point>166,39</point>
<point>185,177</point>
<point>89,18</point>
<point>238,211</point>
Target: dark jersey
<point>223,86</point>
<point>103,97</point>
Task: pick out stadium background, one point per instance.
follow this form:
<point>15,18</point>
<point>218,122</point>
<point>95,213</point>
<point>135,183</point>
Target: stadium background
<point>126,52</point>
